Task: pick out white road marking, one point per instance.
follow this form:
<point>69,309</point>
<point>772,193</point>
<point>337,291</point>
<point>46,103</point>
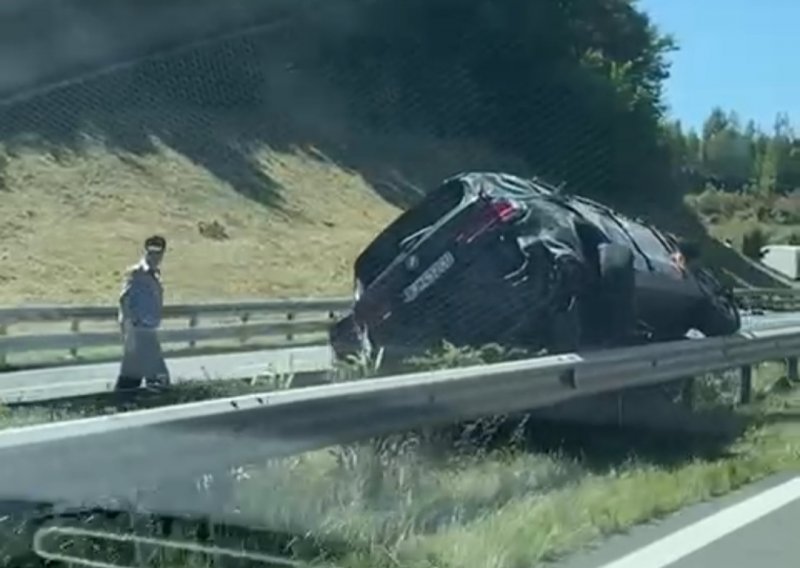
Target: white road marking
<point>689,539</point>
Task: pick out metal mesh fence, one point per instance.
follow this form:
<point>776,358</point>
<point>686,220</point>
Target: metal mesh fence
<point>386,104</point>
<point>303,81</point>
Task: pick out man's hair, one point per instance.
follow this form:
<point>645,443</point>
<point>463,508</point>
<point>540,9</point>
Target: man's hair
<point>156,242</point>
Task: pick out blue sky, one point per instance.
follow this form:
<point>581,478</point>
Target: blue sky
<point>743,55</point>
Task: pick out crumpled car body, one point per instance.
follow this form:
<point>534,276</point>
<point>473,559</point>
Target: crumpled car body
<point>494,258</point>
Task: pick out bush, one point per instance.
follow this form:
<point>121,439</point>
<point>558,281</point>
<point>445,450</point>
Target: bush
<point>537,77</point>
<point>753,241</point>
<point>786,210</point>
<point>446,356</point>
<point>719,205</point>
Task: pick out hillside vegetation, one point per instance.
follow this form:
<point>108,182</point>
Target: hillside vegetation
<point>743,180</point>
<point>270,158</point>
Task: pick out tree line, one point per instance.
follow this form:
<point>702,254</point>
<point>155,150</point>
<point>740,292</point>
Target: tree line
<point>575,86</point>
<point>731,156</point>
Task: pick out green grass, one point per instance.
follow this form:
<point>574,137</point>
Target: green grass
<point>509,508</point>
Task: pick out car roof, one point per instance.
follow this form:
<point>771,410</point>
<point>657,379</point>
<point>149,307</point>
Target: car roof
<point>502,184</point>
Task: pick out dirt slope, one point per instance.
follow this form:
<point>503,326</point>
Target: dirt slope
<point>70,224</point>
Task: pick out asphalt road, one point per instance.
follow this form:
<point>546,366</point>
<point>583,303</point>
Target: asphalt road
<point>62,382</point>
<point>756,526</point>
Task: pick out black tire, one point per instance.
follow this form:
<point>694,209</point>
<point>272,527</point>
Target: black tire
<point>718,314</point>
<point>343,339</point>
<point>617,291</point>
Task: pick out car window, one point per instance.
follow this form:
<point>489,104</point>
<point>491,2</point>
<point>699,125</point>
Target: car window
<point>657,250</point>
<point>646,239</point>
<point>611,226</point>
<point>385,247</point>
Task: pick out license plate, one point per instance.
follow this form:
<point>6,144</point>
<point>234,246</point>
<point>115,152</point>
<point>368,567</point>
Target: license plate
<point>427,278</point>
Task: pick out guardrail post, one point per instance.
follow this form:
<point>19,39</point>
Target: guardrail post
<point>3,333</point>
<point>746,391</point>
<point>791,369</point>
<point>192,325</point>
<point>75,327</point>
<point>245,317</point>
<point>290,317</point>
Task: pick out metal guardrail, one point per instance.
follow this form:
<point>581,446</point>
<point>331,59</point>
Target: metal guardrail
<point>33,328</point>
<point>230,432</point>
<point>239,323</point>
<point>773,299</point>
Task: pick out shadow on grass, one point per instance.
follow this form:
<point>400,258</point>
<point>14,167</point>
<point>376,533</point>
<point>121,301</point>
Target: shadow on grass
<point>218,104</point>
<point>131,108</point>
<point>604,447</point>
<point>681,437</point>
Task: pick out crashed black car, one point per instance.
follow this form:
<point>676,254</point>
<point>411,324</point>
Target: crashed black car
<point>494,258</point>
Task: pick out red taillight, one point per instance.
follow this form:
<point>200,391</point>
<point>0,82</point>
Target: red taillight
<point>505,211</point>
<point>492,213</point>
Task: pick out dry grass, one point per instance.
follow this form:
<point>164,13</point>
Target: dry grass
<point>72,221</point>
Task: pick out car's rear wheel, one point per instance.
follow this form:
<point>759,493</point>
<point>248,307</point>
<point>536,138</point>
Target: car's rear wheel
<point>718,314</point>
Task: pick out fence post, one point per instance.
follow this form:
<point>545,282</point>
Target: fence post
<point>192,325</point>
<point>791,369</point>
<point>75,327</point>
<point>746,391</point>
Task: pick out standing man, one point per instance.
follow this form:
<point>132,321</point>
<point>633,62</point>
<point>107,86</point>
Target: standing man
<point>140,306</point>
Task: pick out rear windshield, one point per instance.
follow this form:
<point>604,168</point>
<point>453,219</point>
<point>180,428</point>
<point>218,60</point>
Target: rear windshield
<point>386,246</point>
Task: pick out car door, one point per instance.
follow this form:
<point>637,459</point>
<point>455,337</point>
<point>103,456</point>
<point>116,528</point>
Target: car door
<point>614,230</point>
<point>661,288</point>
<point>666,291</point>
